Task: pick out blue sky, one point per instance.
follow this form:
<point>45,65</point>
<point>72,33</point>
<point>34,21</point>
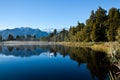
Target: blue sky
<point>46,14</point>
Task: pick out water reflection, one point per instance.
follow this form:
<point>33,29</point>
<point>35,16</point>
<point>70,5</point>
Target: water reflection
<point>22,51</point>
<point>97,62</point>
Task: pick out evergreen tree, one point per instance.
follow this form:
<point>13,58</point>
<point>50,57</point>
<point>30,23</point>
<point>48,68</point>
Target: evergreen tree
<point>99,27</point>
<point>98,30</point>
<point>113,23</point>
<point>89,26</point>
<point>95,32</point>
<point>0,38</point>
<point>100,15</point>
<point>55,31</point>
<point>79,26</point>
<point>17,37</point>
<point>10,37</point>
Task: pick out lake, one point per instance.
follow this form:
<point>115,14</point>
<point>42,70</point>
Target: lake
<point>51,62</point>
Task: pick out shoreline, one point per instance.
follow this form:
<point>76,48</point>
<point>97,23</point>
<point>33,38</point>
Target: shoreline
<point>108,47</point>
<point>17,43</point>
<point>97,46</point>
<point>111,49</point>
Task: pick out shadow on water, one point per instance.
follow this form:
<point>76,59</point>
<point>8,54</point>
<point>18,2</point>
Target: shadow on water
<point>97,62</point>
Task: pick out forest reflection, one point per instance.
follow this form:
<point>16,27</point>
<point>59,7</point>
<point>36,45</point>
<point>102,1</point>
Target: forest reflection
<point>97,62</point>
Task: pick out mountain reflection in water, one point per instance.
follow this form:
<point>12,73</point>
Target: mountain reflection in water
<point>96,64</point>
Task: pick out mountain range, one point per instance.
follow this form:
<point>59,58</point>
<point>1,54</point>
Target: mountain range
<point>23,31</point>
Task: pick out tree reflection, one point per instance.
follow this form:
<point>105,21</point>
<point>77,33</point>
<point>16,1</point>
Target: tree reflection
<point>22,51</point>
<point>10,48</point>
<point>97,62</point>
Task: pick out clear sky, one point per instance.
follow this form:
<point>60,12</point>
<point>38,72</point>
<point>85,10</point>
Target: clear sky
<point>46,14</point>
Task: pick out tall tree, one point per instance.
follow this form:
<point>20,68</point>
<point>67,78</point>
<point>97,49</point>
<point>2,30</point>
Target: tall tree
<point>89,25</point>
<point>55,31</point>
<point>17,37</point>
<point>10,37</point>
<point>113,23</point>
<point>98,30</point>
<point>95,32</point>
<point>0,38</point>
<point>79,26</point>
<point>100,15</point>
<point>63,35</point>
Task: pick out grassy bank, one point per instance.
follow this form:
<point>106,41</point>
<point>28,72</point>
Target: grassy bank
<point>75,44</point>
<point>106,47</point>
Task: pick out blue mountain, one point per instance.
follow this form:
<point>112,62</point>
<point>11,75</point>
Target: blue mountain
<point>23,31</point>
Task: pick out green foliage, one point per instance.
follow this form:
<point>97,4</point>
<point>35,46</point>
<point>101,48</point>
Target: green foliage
<point>63,35</point>
<point>113,24</point>
<point>100,15</point>
<point>118,35</point>
<point>111,33</point>
<point>95,32</point>
<point>99,27</point>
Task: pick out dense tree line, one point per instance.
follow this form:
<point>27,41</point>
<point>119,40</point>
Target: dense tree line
<point>19,38</point>
<point>101,26</point>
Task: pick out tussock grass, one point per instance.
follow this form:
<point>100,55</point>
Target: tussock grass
<point>75,44</point>
<point>97,46</point>
<point>101,48</point>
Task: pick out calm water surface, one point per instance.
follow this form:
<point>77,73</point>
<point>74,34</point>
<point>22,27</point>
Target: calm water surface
<point>52,63</point>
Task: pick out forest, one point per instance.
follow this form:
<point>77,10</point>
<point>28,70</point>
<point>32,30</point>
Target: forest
<point>101,26</point>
